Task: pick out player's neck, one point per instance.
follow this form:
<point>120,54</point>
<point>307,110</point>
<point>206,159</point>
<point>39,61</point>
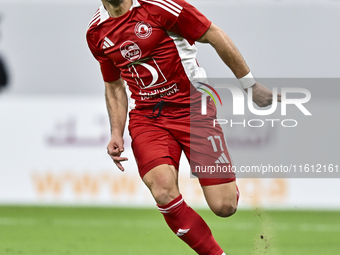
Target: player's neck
<point>120,8</point>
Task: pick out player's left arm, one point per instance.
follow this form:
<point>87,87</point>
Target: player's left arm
<point>231,56</point>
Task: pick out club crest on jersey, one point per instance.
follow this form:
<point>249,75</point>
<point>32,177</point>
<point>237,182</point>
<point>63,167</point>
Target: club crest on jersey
<point>130,51</point>
<point>143,30</point>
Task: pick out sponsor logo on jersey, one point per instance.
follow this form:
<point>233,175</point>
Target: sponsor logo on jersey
<point>158,93</point>
<point>107,43</point>
<point>143,30</point>
<point>130,51</point>
<point>222,159</point>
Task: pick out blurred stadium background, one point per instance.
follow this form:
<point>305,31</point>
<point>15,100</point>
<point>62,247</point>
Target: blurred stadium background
<point>61,194</point>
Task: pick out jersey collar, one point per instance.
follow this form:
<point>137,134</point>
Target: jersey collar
<point>135,3</point>
<point>104,15</point>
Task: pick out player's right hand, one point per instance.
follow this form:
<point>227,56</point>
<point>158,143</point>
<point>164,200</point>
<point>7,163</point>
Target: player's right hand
<point>262,96</point>
<point>115,149</point>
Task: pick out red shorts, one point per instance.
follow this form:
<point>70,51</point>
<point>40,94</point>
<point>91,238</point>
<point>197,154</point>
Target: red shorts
<point>161,141</point>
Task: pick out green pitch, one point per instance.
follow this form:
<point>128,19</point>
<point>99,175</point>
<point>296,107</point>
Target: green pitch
<point>101,231</point>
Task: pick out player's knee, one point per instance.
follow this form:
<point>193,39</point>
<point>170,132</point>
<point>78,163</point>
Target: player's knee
<point>163,195</point>
<point>164,190</point>
<point>162,183</point>
<point>225,209</point>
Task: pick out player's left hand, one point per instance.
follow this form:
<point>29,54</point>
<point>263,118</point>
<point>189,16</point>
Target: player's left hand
<point>262,96</point>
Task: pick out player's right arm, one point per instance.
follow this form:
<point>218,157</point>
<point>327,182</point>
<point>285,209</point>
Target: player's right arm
<point>231,56</point>
<point>115,95</point>
<point>117,107</point>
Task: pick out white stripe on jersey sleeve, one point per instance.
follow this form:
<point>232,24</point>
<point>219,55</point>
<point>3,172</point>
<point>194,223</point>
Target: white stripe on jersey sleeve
<point>95,16</point>
<point>104,15</point>
<point>178,10</point>
<point>175,4</point>
<point>163,7</point>
<point>94,21</point>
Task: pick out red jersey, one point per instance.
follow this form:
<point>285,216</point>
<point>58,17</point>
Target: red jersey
<point>152,48</point>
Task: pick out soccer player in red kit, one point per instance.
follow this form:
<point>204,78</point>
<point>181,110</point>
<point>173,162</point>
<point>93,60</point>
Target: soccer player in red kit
<point>150,46</point>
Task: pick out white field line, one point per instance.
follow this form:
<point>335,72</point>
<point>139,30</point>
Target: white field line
<point>303,227</point>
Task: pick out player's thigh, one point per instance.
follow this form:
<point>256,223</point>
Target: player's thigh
<point>152,146</point>
<point>206,149</point>
<point>162,181</point>
<point>222,198</point>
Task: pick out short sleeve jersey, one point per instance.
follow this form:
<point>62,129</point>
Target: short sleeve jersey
<point>152,48</point>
